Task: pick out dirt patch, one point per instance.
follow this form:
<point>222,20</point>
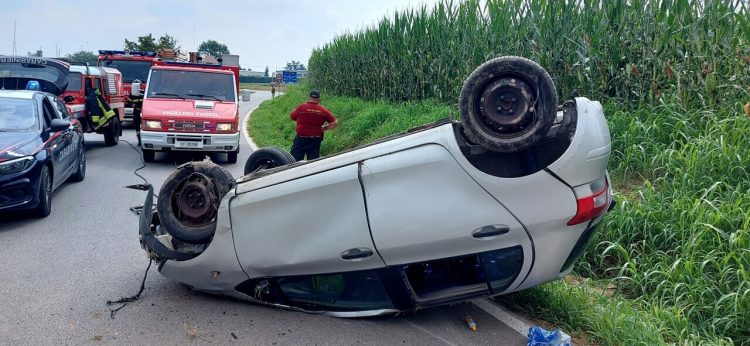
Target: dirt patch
<point>607,290</point>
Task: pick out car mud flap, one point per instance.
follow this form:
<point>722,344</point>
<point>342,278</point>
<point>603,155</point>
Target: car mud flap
<point>146,227</point>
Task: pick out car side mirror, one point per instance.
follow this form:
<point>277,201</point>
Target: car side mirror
<point>68,99</point>
<point>135,88</point>
<point>59,125</point>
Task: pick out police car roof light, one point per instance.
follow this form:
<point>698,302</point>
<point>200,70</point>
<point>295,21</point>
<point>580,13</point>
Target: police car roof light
<point>33,85</point>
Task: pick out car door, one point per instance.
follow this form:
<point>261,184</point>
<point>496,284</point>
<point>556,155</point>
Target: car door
<point>447,234</point>
<point>310,225</point>
<point>423,206</point>
<point>72,133</point>
<point>57,143</point>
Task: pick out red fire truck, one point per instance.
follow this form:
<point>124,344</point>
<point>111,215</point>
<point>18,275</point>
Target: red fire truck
<point>109,82</point>
<point>134,65</point>
<point>192,107</point>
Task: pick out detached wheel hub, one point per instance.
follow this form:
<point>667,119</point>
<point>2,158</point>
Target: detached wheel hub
<point>505,105</point>
<point>196,199</point>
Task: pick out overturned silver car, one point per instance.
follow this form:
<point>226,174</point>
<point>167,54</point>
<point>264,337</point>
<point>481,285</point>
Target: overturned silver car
<point>504,200</point>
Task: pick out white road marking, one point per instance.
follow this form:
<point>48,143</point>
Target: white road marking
<point>503,315</point>
<point>447,342</point>
<point>245,134</point>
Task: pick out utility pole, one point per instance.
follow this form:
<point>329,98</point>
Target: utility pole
<point>14,36</point>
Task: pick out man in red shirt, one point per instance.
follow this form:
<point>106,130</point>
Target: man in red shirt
<point>312,120</point>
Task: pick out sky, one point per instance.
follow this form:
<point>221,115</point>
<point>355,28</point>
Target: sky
<point>263,33</point>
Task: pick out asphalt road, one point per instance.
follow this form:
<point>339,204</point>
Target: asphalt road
<point>57,273</point>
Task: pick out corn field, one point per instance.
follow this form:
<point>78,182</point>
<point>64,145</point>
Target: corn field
<point>684,52</point>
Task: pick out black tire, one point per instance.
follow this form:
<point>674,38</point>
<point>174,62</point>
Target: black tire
<point>44,208</point>
<point>80,173</point>
<point>189,200</point>
<point>268,157</point>
<point>112,132</point>
<point>232,156</point>
<point>508,104</point>
<point>149,155</point>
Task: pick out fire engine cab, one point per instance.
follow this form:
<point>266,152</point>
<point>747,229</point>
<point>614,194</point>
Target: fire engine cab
<point>192,107</point>
<point>134,66</point>
<point>109,83</point>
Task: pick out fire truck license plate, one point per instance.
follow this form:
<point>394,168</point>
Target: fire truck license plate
<point>189,144</point>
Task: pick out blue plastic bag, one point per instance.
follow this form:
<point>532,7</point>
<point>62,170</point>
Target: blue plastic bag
<point>541,337</point>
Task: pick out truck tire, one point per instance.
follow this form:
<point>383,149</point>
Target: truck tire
<point>149,155</point>
<point>232,156</point>
<point>268,157</point>
<point>508,104</point>
<point>189,200</point>
<point>112,132</point>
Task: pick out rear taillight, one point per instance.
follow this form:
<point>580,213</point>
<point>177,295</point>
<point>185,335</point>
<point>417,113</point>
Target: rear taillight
<point>592,200</point>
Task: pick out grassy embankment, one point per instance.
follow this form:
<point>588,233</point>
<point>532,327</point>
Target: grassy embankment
<point>672,263</point>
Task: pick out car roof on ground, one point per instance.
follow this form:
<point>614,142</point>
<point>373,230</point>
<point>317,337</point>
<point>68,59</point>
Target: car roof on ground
<point>19,94</point>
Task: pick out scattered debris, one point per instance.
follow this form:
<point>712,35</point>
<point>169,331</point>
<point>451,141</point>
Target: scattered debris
<point>191,331</point>
<point>97,338</point>
<point>470,322</point>
<point>538,336</point>
<point>233,335</point>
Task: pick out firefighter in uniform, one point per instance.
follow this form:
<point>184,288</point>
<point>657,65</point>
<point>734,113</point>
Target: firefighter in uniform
<point>97,108</point>
<point>137,102</point>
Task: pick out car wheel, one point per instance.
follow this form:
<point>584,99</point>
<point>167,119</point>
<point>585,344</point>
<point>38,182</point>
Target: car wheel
<point>189,200</point>
<point>508,104</point>
<point>232,156</point>
<point>268,157</point>
<point>44,208</point>
<point>80,173</point>
<point>149,155</point>
<point>112,133</point>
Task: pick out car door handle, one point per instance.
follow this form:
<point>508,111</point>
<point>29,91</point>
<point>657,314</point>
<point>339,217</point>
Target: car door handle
<point>356,254</point>
<point>490,231</point>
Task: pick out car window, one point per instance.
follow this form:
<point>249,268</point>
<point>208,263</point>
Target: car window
<point>61,110</point>
<point>74,83</point>
<point>105,87</point>
<point>48,112</point>
<point>360,290</point>
<point>98,84</point>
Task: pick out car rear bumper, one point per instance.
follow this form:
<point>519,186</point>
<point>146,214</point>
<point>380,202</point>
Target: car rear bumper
<point>168,141</point>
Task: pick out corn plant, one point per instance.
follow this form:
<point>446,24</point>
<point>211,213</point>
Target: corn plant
<point>687,52</point>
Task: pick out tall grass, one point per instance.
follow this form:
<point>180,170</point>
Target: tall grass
<point>684,52</point>
<point>680,237</point>
<point>360,121</point>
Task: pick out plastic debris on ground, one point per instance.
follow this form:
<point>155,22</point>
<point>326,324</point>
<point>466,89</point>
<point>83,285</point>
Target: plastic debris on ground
<point>470,322</point>
<point>540,337</point>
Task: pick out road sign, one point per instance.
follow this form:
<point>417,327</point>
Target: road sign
<point>289,76</point>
